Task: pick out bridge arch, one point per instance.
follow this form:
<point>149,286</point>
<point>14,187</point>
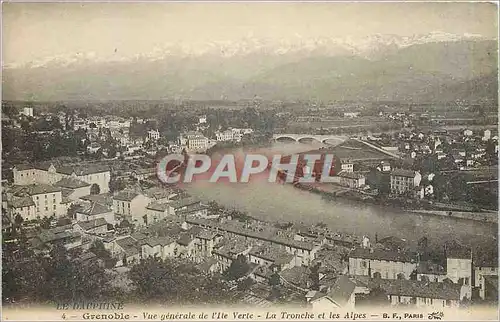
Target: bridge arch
<point>308,139</point>
<point>285,138</point>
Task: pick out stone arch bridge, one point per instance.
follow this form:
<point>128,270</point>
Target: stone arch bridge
<point>306,138</point>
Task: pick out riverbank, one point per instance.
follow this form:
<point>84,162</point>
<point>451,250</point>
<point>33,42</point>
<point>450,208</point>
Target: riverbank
<point>476,216</point>
<point>348,194</point>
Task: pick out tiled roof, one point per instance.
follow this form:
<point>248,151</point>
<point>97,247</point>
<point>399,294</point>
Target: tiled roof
<point>22,167</point>
<point>185,239</point>
<point>104,199</point>
<point>163,241</point>
<point>206,234</point>
<point>90,224</point>
<point>351,175</point>
<point>158,193</point>
<point>380,254</point>
<point>297,275</point>
<point>403,173</point>
<point>158,206</point>
<point>36,189</point>
<point>129,246</point>
<point>71,183</point>
<point>341,291</point>
<point>262,233</point>
<point>125,195</point>
<point>47,236</point>
<point>433,290</point>
<point>95,208</point>
<point>206,265</point>
<point>19,202</point>
<point>430,268</point>
<point>184,202</point>
<point>83,170</point>
<point>191,209</point>
<point>272,253</point>
<point>492,280</point>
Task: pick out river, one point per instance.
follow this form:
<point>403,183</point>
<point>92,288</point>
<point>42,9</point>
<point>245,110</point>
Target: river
<point>284,203</point>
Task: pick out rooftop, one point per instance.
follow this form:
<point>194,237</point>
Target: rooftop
<point>20,202</point>
<point>380,254</point>
<point>35,189</point>
<point>125,195</point>
<point>351,175</point>
<point>71,183</point>
<point>430,268</point>
<point>433,290</point>
<point>91,224</point>
<point>341,290</point>
<point>95,208</point>
<point>158,206</point>
<point>403,173</point>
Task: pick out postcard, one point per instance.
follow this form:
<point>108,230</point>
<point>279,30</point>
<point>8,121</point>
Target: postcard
<point>250,161</point>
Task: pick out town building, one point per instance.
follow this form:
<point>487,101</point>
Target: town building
<point>403,181</point>
<point>49,173</point>
<point>157,211</point>
<point>194,141</point>
<point>421,294</point>
<point>131,205</point>
<point>224,136</point>
<point>75,188</point>
<point>153,135</point>
<point>46,199</point>
<point>382,263</point>
<point>459,267</point>
<point>340,295</point>
<point>22,206</point>
<point>488,290</point>
<point>94,226</point>
<point>94,211</point>
<point>27,111</point>
<point>352,180</point>
<point>345,164</point>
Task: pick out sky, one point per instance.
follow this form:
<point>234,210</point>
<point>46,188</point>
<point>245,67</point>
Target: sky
<point>36,31</point>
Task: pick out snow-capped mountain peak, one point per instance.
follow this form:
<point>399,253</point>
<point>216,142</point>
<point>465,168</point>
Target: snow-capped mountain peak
<point>362,46</point>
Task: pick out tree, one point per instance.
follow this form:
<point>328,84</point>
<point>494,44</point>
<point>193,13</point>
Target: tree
<point>98,249</point>
<point>314,276</point>
<point>275,279</point>
<point>245,284</point>
<point>57,277</point>
<point>95,189</point>
<point>116,184</point>
<point>174,281</point>
<point>238,268</point>
<point>376,297</point>
<point>18,220</point>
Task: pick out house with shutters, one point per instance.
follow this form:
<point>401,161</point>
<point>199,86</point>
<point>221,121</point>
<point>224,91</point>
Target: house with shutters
<point>131,205</point>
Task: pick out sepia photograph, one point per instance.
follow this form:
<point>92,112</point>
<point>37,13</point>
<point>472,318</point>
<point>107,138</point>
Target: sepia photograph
<point>249,161</point>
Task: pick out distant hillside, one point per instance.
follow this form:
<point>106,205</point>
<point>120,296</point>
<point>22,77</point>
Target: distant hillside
<point>435,71</point>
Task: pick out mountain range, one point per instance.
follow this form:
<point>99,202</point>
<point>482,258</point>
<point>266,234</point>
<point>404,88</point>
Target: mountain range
<point>437,67</point>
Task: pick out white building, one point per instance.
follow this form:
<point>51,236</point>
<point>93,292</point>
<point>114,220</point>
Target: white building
<point>131,206</point>
<point>194,141</point>
<point>224,136</point>
<point>28,111</point>
<point>487,135</point>
<point>382,263</point>
<point>403,181</point>
<point>153,135</point>
<point>46,201</point>
<point>98,176</point>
